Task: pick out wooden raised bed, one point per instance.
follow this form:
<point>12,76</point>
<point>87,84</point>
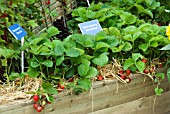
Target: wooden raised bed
<point>106,97</point>
<point>141,106</point>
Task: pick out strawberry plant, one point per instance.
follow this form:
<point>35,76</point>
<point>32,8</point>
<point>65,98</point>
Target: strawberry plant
<point>134,63</point>
<point>158,78</point>
<point>7,57</point>
<point>25,14</point>
<point>40,101</point>
<point>153,11</point>
<point>144,41</point>
<point>164,13</point>
<point>79,55</point>
<point>107,16</point>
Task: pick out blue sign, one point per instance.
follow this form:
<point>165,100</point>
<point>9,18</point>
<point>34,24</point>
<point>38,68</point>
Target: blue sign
<point>17,31</point>
<point>90,27</point>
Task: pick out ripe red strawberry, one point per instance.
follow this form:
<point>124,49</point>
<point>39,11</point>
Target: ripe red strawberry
<point>61,86</point>
<point>35,106</point>
<point>48,102</point>
<point>153,67</point>
<point>39,109</point>
<point>144,60</point>
<point>43,107</point>
<point>43,96</point>
<point>43,22</point>
<point>51,19</point>
<point>121,72</point>
<point>160,65</point>
<point>36,98</point>
<point>159,24</point>
<point>59,90</point>
<point>3,16</point>
<point>128,72</point>
<point>48,2</point>
<point>10,3</point>
<point>99,77</point>
<point>123,77</point>
<point>71,80</point>
<point>146,71</point>
<point>151,70</point>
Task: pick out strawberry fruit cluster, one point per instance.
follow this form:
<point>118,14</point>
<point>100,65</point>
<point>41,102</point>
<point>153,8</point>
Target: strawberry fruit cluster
<point>60,87</point>
<point>125,75</point>
<point>39,102</point>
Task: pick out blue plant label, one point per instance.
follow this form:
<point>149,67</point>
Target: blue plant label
<point>17,31</point>
<point>90,27</point>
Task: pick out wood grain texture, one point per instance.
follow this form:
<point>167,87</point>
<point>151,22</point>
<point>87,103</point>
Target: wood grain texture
<point>141,106</point>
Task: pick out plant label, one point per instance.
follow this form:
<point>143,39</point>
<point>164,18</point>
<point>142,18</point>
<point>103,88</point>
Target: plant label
<point>88,3</point>
<point>17,31</point>
<point>90,27</point>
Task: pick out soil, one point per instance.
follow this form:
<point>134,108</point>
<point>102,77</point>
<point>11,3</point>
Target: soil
<point>2,78</point>
<point>64,31</point>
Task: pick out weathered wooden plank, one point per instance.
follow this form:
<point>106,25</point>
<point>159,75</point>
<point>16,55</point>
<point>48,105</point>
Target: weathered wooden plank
<point>65,101</point>
<point>14,105</point>
<point>103,92</point>
<point>16,111</point>
<point>131,91</point>
<point>55,5</point>
<point>141,106</point>
<point>105,102</point>
<point>166,112</point>
<point>98,93</point>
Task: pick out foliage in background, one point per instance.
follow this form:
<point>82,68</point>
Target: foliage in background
<point>123,12</point>
<point>164,15</point>
<point>28,14</point>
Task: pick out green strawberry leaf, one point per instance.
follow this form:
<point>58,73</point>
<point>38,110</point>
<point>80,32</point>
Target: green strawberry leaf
<point>83,69</point>
<point>52,31</point>
<point>101,60</point>
<point>84,83</point>
<point>160,75</point>
<point>32,72</point>
<point>74,52</point>
<point>58,47</point>
<point>34,64</point>
<point>59,60</point>
<point>49,88</point>
<point>143,46</point>
<point>92,72</point>
<point>129,62</point>
<point>158,91</point>
<point>140,65</point>
<point>136,56</point>
<point>48,63</point>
